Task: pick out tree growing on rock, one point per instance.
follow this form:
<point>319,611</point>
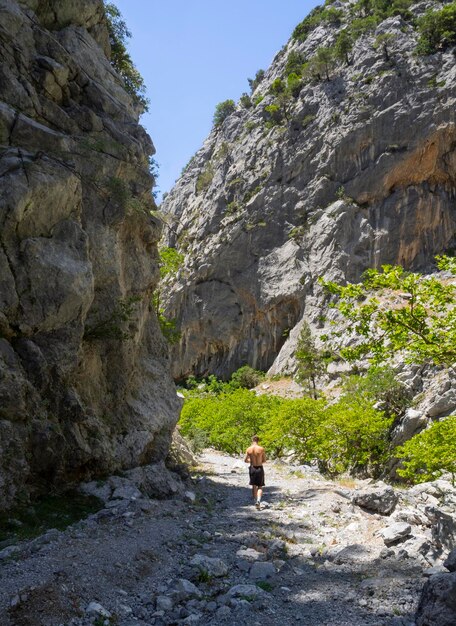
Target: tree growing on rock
<point>343,46</point>
<point>222,111</point>
<point>310,362</point>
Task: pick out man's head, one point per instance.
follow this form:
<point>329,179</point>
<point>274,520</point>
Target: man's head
<point>255,439</point>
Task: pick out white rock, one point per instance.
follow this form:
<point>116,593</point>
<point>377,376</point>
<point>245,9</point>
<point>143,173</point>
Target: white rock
<point>395,532</point>
<point>213,566</point>
<point>262,570</point>
<point>95,608</point>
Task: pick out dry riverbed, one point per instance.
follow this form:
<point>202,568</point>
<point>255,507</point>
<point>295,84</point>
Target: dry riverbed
<point>206,556</point>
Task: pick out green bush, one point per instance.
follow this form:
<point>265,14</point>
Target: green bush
<point>429,453</point>
<point>120,59</point>
<point>254,82</point>
<point>228,419</point>
<point>294,84</point>
<point>246,377</point>
<point>437,29</point>
<point>204,179</point>
<point>222,111</point>
<point>277,87</point>
<point>246,101</point>
<point>294,63</point>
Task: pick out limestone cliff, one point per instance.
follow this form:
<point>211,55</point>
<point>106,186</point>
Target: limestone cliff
<point>84,375</point>
<point>356,170</point>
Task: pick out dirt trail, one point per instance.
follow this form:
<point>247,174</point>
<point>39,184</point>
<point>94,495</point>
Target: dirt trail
<point>309,557</point>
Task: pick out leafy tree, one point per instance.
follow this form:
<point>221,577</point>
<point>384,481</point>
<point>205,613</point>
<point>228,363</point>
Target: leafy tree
<point>120,58</point>
<point>294,63</point>
<point>294,427</point>
<point>363,25</point>
<point>222,111</point>
<point>429,453</point>
<point>274,115</point>
<point>353,436</point>
<point>437,29</point>
<point>324,60</point>
<point>343,46</point>
<point>421,321</point>
<point>309,360</point>
<point>254,82</point>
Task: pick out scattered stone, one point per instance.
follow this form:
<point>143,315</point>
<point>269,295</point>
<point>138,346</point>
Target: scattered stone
<point>184,589</point>
<point>190,497</point>
<point>245,590</point>
<point>395,533</point>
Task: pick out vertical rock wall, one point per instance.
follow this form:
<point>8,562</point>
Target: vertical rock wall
<point>359,171</point>
<point>84,380</point>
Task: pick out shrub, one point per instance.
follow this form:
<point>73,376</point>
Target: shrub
<point>437,29</point>
<point>204,179</point>
<point>245,101</point>
<point>120,59</point>
<point>229,419</point>
<point>343,45</point>
<point>430,453</point>
<point>310,363</point>
<point>294,63</point>
<point>274,115</point>
<point>246,377</point>
<point>222,111</point>
<point>294,84</point>
<point>254,82</point>
<point>352,436</point>
<point>277,87</point>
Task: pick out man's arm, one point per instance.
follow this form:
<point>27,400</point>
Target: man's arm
<point>247,456</point>
<point>263,456</point>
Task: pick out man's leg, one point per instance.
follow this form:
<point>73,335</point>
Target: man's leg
<point>254,492</point>
<point>259,493</point>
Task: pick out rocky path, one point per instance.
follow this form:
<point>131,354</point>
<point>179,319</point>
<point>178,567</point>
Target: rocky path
<point>208,557</point>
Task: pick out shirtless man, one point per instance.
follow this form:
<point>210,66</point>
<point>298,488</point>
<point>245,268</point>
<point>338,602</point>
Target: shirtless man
<point>256,456</point>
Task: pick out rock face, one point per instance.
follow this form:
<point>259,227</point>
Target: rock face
<point>359,171</point>
<point>84,380</point>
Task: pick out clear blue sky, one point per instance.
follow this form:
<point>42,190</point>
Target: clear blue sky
<point>194,54</point>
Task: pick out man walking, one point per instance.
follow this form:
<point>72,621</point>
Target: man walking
<point>256,456</point>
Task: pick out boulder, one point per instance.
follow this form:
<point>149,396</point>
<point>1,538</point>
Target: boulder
<point>395,533</point>
<point>213,566</point>
<point>380,499</point>
<point>437,606</point>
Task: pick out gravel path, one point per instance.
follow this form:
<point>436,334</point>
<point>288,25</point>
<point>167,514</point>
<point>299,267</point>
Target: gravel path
<point>309,557</point>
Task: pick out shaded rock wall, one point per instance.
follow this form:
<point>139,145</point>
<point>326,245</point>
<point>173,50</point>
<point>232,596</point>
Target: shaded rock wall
<point>84,376</point>
<point>360,172</point>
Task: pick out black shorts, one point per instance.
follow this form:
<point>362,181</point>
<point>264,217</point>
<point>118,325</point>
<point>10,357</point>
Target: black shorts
<point>256,473</point>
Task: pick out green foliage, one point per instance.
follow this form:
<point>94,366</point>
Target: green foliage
<point>318,15</point>
<point>343,46</point>
<point>294,63</point>
<point>277,87</point>
<point>246,377</point>
<point>274,115</point>
<point>310,362</point>
<point>170,262</point>
<point>204,179</point>
<point>430,453</point>
<point>228,419</point>
<point>422,321</point>
<point>353,436</point>
<point>437,29</point>
<point>246,101</point>
<point>254,82</point>
<point>379,385</point>
<point>362,26</point>
<point>120,58</point>
<point>222,111</point>
<point>113,326</point>
<point>294,84</point>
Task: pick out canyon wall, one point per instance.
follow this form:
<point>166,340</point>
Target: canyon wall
<point>358,170</point>
<point>85,387</point>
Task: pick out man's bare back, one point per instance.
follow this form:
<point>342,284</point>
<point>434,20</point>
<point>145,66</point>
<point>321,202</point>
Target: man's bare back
<point>255,455</point>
